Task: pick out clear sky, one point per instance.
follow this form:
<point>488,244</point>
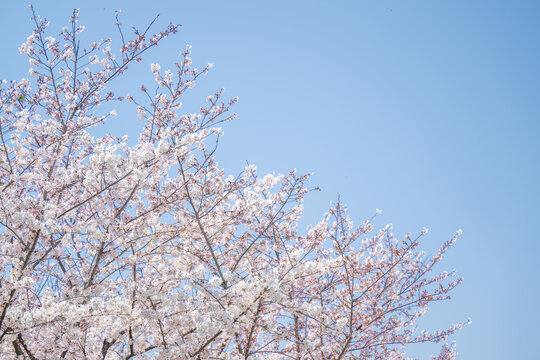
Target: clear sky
<point>427,109</point>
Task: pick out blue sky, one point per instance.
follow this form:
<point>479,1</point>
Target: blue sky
<point>429,110</point>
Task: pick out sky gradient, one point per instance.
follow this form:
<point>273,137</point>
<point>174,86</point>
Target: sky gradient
<point>428,110</point>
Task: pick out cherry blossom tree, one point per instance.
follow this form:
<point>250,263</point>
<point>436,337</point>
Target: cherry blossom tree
<point>149,251</point>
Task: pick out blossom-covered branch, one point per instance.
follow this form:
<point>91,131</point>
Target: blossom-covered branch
<point>149,251</point>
